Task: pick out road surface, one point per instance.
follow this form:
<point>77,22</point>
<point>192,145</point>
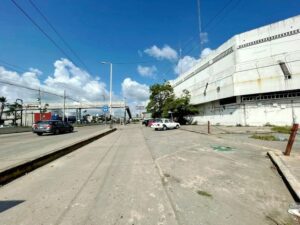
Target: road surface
<point>19,147</point>
<point>140,176</point>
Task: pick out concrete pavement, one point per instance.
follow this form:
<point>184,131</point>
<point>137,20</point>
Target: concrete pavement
<point>111,181</point>
<point>289,168</point>
<point>140,176</point>
<point>18,148</point>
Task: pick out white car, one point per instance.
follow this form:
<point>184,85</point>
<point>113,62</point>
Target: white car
<point>164,124</point>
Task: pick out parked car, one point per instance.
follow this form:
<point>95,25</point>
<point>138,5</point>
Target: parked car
<point>146,122</point>
<point>51,126</point>
<point>164,124</point>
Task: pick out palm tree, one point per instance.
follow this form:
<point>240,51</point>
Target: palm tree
<point>2,101</point>
<point>12,110</point>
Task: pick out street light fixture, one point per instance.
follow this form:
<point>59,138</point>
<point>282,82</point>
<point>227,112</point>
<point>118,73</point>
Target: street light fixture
<point>110,88</point>
<point>110,85</point>
<point>18,99</point>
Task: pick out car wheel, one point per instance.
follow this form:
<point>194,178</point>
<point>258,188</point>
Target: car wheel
<point>177,126</point>
<point>164,127</point>
<point>56,132</point>
<point>39,134</point>
<point>71,130</point>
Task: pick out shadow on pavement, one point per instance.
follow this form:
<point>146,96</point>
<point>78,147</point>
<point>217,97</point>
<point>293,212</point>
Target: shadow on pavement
<point>5,205</point>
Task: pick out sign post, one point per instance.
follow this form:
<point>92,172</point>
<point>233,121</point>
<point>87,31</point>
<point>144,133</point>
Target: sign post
<point>105,110</point>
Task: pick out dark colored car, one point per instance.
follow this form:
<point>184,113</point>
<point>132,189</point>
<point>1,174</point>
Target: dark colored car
<point>52,127</point>
<point>145,122</point>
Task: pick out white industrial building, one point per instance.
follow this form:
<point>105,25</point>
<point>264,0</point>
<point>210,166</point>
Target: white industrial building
<point>252,79</point>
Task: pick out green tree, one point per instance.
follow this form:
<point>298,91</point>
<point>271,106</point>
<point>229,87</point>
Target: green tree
<point>180,108</point>
<point>163,103</point>
<point>2,101</point>
<point>161,95</point>
<point>12,110</point>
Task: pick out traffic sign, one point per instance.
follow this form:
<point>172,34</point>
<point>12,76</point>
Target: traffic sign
<point>105,108</point>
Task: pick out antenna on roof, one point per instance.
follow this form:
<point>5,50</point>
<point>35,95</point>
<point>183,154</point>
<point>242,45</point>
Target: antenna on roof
<point>200,26</point>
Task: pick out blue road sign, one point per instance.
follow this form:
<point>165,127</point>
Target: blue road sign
<point>105,108</point>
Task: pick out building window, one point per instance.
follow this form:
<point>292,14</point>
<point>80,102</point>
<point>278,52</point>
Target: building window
<point>226,101</point>
<point>285,70</point>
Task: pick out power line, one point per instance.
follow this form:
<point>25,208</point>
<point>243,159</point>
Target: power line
<point>135,62</point>
<point>35,89</point>
<point>213,18</point>
<point>13,66</point>
<point>199,24</point>
<point>41,30</point>
<point>58,34</point>
<point>232,8</point>
<point>218,13</point>
<point>196,44</point>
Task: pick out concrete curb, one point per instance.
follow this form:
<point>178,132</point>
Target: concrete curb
<point>289,179</point>
<point>17,171</point>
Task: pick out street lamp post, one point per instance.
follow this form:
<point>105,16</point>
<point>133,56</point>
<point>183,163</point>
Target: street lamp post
<point>124,111</point>
<point>18,99</point>
<point>110,89</point>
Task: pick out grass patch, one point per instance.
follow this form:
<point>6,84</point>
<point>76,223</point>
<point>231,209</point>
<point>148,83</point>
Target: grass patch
<point>264,137</point>
<point>282,129</point>
<point>204,193</point>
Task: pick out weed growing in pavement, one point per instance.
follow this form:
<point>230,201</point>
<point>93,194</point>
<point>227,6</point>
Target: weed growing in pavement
<point>282,129</point>
<point>204,193</point>
<point>264,137</point>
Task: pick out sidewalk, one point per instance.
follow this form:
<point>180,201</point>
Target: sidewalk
<point>225,129</point>
<point>289,168</point>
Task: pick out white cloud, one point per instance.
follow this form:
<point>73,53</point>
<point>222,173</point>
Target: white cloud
<point>165,52</point>
<point>187,62</point>
<point>134,91</point>
<point>136,95</point>
<point>147,71</point>
<point>77,83</point>
<point>29,79</point>
<point>205,52</point>
<point>204,37</point>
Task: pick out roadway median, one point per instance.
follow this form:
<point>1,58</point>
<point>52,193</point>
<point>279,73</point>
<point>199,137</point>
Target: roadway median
<point>9,174</point>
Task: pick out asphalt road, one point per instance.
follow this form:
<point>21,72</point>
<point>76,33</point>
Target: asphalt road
<point>20,147</point>
<point>140,176</point>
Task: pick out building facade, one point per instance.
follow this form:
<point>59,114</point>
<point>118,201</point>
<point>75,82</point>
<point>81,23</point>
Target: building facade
<point>252,79</point>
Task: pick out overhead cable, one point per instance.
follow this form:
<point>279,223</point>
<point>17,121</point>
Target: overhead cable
<point>41,30</point>
<point>58,34</point>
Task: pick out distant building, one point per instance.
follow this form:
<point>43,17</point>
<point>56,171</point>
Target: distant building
<point>252,79</point>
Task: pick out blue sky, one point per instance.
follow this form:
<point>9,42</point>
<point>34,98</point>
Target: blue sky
<point>121,32</point>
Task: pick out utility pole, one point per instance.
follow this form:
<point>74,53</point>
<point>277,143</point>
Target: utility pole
<point>200,26</point>
<point>124,111</point>
<point>110,91</point>
<point>64,105</point>
<point>40,104</point>
<point>180,65</point>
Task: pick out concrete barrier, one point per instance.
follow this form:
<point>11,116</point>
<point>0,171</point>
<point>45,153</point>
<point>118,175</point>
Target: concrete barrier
<point>10,130</point>
<point>17,171</point>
